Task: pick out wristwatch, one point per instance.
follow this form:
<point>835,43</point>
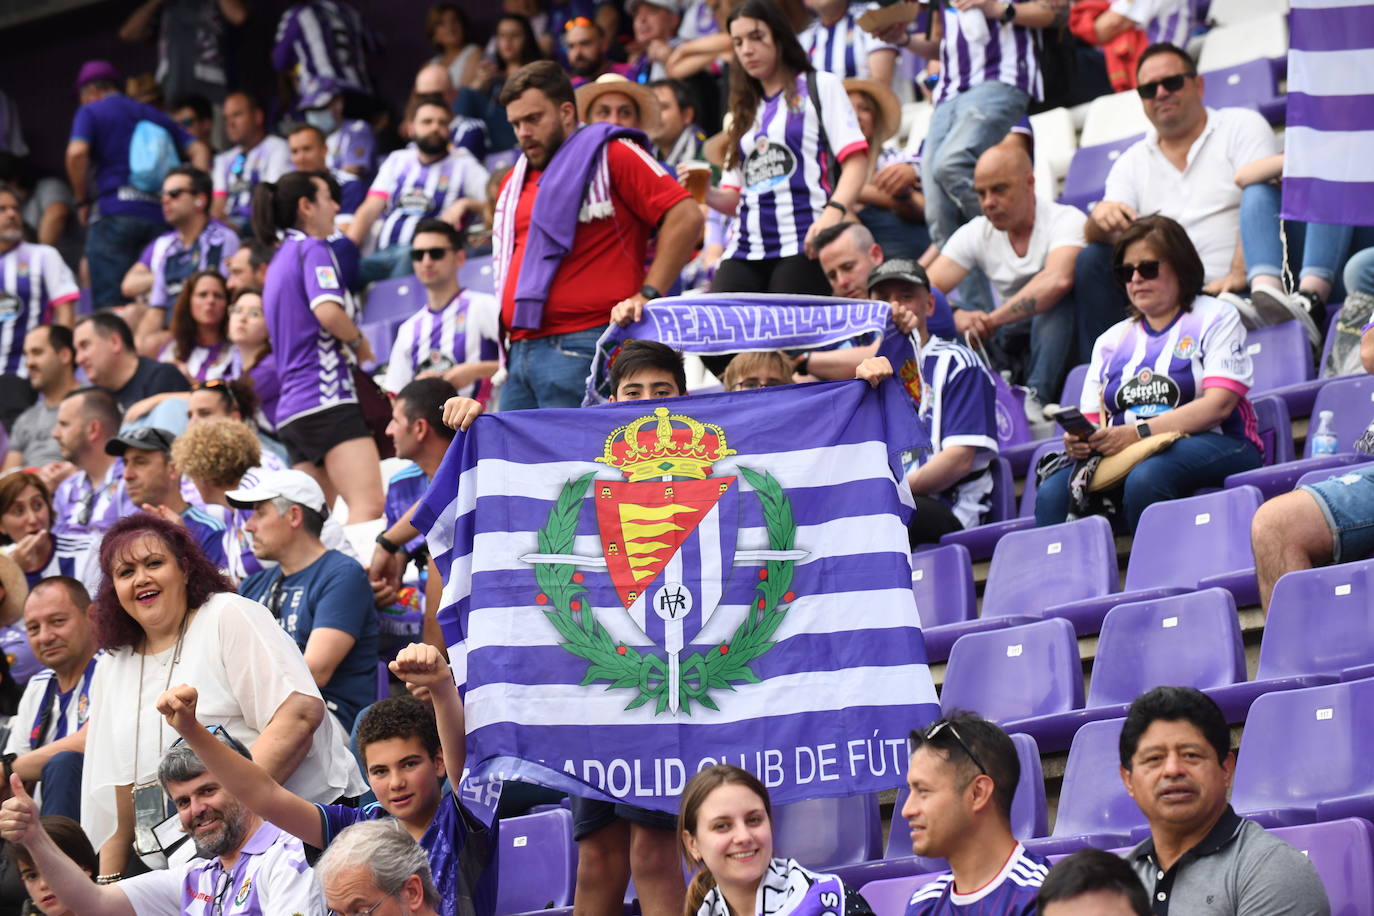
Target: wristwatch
<point>1009,14</point>
<point>844,211</point>
<point>650,292</point>
<point>1142,429</point>
<point>385,543</point>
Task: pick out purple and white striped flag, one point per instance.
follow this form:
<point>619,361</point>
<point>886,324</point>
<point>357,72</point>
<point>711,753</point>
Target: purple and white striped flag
<point>635,591</point>
<point>1328,174</point>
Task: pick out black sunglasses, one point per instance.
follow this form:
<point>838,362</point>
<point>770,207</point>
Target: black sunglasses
<point>175,193</point>
<point>939,728</point>
<point>1172,83</point>
<point>435,254</point>
<point>1148,270</point>
<point>221,387</point>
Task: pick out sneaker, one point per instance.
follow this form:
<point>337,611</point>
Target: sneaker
<point>1248,316</point>
<point>1274,306</point>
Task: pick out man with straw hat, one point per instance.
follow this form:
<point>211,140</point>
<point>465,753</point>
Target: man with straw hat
<point>613,99</point>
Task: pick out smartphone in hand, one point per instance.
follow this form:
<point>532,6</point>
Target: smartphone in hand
<point>1073,421</point>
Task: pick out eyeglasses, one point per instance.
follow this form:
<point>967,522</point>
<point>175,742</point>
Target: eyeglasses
<point>274,597</point>
<point>83,518</point>
<point>1148,270</point>
<point>435,254</point>
<point>221,734</point>
<point>944,725</point>
<point>175,193</point>
<point>1172,83</point>
<point>363,912</point>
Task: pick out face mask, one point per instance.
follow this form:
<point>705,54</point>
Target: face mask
<point>321,118</point>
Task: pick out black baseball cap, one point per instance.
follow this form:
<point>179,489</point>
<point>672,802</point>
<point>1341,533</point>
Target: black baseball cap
<point>903,269</point>
<point>147,438</point>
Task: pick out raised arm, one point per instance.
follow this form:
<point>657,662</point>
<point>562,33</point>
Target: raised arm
<point>422,665</point>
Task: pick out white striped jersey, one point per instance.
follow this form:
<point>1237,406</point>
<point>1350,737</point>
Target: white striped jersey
<point>236,173</point>
<point>959,407</point>
<point>976,49</point>
<point>351,146</point>
<point>466,330</point>
<point>1162,20</point>
<point>324,38</point>
<point>415,190</point>
<point>172,261</point>
<point>782,176</point>
<point>1011,893</point>
<point>204,363</point>
<point>842,48</point>
<point>33,280</point>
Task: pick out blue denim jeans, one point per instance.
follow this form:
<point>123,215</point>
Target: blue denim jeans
<point>61,782</point>
<point>1051,339</point>
<point>384,263</point>
<point>549,371</point>
<point>113,244</point>
<point>1182,469</point>
<point>1099,301</point>
<point>1320,248</point>
<point>961,130</point>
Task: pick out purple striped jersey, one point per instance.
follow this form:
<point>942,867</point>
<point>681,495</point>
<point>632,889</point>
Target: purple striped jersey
<point>976,49</point>
<point>842,48</point>
<point>1162,20</point>
<point>1138,373</point>
<point>469,134</point>
<point>352,146</point>
<point>204,363</point>
<point>959,407</point>
<point>172,261</point>
<point>1011,893</point>
<point>781,172</point>
<point>324,38</point>
<point>466,330</point>
<point>314,366</point>
<point>33,280</point>
<point>415,190</point>
<point>236,173</point>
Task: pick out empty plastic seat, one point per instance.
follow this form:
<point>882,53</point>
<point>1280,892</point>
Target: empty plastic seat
<point>537,861</point>
<point>1349,398</point>
<point>889,896</point>
<point>1015,673</point>
<point>1281,354</point>
<point>1113,117</point>
<point>1094,809</point>
<point>1248,85</point>
<point>1034,571</point>
<point>942,580</point>
<point>1229,12</point>
<point>825,832</point>
<point>1305,756</point>
<point>1055,142</point>
<point>1181,545</point>
<point>1087,175</point>
<point>1320,627</point>
<point>1257,38</point>
<point>476,273</point>
<point>381,335</point>
<point>1342,852</point>
<point>394,297</point>
<point>1190,640</point>
<point>1299,396</point>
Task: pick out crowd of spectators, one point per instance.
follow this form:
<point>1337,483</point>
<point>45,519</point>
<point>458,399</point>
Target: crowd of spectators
<point>192,411</point>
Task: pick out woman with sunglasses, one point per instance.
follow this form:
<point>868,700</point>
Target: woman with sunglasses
<point>315,342</point>
<point>164,615</point>
<point>725,826</point>
<point>1176,364</point>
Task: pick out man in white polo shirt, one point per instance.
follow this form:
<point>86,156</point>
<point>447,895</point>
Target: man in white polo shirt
<point>243,865</point>
<point>1183,168</point>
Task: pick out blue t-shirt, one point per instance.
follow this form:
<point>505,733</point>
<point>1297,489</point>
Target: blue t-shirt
<point>454,827</point>
<point>331,592</point>
<point>207,525</point>
<point>108,126</point>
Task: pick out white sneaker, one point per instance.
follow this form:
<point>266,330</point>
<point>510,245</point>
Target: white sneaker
<point>1248,316</point>
<point>1274,306</point>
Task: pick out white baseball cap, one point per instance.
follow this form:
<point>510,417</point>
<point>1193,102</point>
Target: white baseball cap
<point>297,486</point>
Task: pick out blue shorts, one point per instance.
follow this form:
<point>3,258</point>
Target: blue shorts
<point>591,814</point>
<point>1347,502</point>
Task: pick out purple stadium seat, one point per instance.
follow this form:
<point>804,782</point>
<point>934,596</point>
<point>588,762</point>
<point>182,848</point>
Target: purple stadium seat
<point>1305,756</point>
<point>1016,673</point>
<point>1087,175</point>
<point>1275,429</point>
<point>1181,545</point>
<point>1094,809</point>
<point>1190,640</point>
<point>1029,814</point>
<point>1033,571</point>
<point>394,297</point>
<point>825,832</point>
<point>1299,396</point>
<point>502,159</point>
<point>942,580</point>
<point>476,274</point>
<point>538,862</point>
<point>1249,85</point>
<point>1349,398</point>
<point>381,334</point>
<point>1327,473</point>
<point>889,896</point>
<point>982,540</point>
<point>1281,355</point>
<point>1342,852</point>
<point>1320,627</point>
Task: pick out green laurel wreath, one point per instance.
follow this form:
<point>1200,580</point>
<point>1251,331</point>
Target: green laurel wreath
<point>720,667</point>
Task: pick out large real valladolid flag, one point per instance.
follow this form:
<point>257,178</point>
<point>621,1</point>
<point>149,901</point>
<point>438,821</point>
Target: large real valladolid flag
<point>636,591</point>
<point>1328,173</point>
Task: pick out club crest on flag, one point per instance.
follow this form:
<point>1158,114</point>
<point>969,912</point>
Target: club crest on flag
<point>668,534</point>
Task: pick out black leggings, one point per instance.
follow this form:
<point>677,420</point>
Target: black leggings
<point>797,274</point>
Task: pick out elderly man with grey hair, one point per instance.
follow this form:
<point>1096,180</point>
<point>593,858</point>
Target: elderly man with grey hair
<point>373,862</point>
<point>244,865</point>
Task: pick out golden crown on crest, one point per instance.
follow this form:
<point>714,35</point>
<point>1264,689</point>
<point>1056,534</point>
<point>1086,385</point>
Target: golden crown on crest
<point>665,445</point>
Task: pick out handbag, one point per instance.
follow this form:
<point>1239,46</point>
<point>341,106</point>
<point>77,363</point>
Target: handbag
<point>376,409</point>
<point>1112,470</point>
<point>1013,426</point>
